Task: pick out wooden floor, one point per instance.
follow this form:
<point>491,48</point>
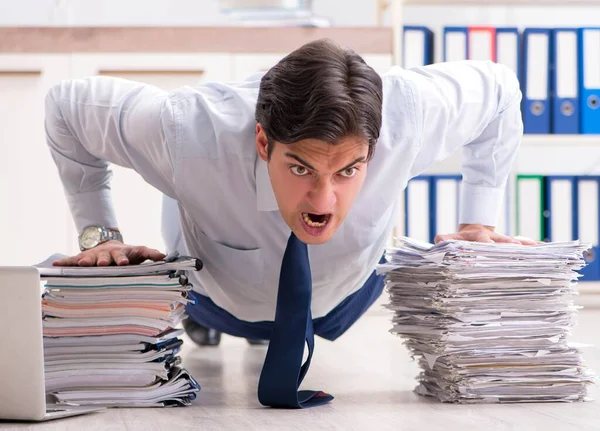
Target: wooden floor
<point>367,370</point>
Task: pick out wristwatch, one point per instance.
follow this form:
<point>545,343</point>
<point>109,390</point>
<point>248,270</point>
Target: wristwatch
<point>96,235</point>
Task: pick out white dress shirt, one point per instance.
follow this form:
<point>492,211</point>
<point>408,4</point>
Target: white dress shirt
<point>196,145</point>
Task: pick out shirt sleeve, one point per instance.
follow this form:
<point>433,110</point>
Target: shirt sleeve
<point>96,121</point>
<point>473,106</point>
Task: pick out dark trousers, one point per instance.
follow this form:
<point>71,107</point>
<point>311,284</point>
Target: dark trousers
<point>206,313</point>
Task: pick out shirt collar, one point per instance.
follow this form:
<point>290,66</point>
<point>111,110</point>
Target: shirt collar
<point>265,197</point>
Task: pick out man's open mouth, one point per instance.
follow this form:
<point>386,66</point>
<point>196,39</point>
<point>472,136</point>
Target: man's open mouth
<point>316,220</point>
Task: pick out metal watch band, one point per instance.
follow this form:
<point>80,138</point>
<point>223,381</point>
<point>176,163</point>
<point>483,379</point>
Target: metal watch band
<point>113,234</point>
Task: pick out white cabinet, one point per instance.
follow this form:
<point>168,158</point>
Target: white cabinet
<point>380,62</point>
<point>164,70</point>
<point>245,65</point>
<point>34,216</point>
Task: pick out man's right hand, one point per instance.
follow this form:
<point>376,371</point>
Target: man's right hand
<point>110,253</point>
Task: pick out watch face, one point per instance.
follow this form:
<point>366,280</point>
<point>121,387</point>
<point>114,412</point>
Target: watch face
<point>90,237</point>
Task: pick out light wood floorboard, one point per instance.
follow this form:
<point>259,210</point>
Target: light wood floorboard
<point>369,372</point>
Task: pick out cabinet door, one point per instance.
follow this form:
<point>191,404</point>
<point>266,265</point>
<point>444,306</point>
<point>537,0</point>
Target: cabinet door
<point>245,65</point>
<point>380,62</point>
<point>34,216</point>
<point>137,204</point>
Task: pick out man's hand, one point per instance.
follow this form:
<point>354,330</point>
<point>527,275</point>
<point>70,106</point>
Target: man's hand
<point>111,252</point>
<point>481,233</point>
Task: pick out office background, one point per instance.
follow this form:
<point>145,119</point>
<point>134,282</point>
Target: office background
<point>186,42</point>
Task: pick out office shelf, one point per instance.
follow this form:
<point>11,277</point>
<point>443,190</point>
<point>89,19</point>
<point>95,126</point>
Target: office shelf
<point>561,140</point>
<point>539,154</point>
<point>589,286</point>
<point>589,295</point>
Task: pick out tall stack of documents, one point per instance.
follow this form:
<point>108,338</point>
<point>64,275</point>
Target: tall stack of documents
<point>489,322</point>
<point>110,336</point>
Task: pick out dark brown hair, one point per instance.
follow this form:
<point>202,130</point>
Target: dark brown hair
<point>320,91</point>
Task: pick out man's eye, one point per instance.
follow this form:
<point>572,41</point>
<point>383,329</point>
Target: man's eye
<point>299,170</point>
<point>349,173</point>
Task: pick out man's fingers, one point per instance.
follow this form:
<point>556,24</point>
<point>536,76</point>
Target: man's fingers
<point>527,241</point>
<point>119,255</point>
<point>87,260</point>
<point>505,238</point>
<point>104,258</point>
<point>72,260</point>
<point>151,253</point>
<point>484,236</point>
<point>446,237</point>
<point>465,236</point>
<point>155,254</point>
<point>530,242</point>
<point>67,261</point>
<point>142,253</point>
<point>513,240</point>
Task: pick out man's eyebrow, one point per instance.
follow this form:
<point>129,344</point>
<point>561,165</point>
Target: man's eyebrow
<point>349,165</point>
<point>295,157</point>
<point>309,166</point>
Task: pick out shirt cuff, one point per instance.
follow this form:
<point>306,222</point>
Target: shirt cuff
<point>92,209</point>
<point>480,205</point>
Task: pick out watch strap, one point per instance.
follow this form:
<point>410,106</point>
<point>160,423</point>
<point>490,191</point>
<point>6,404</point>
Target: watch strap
<point>112,235</point>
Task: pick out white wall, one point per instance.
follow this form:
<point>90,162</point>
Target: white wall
<point>157,12</point>
<point>342,13</point>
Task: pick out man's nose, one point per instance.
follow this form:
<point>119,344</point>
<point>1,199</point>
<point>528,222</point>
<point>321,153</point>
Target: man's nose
<point>322,196</point>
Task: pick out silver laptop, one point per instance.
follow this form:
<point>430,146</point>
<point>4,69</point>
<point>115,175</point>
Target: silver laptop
<point>22,383</point>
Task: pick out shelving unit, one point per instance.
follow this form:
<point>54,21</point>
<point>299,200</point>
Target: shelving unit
<point>502,2</point>
<point>397,13</point>
<point>538,154</point>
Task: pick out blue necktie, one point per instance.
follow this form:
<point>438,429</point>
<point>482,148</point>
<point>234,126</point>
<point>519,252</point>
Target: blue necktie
<point>283,371</point>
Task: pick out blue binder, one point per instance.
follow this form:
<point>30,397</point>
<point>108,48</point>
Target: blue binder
<point>587,223</point>
<point>536,80</point>
<point>565,77</point>
<point>418,203</point>
<point>424,223</point>
<point>530,205</point>
<point>508,48</point>
<point>456,44</point>
<point>421,54</point>
<point>445,208</point>
<point>589,79</point>
<point>560,209</point>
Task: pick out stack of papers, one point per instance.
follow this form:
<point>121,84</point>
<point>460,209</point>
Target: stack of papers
<point>110,336</point>
<point>489,322</point>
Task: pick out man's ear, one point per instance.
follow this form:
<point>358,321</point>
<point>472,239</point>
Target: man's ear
<point>262,143</point>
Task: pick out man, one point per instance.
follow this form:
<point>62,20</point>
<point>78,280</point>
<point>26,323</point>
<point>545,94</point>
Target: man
<point>317,150</point>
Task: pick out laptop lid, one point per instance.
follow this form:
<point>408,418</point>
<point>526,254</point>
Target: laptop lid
<point>22,382</point>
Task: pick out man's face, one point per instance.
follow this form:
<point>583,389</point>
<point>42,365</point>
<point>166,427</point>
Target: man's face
<point>315,183</point>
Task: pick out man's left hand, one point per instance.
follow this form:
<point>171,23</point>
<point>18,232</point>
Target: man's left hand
<point>481,233</point>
